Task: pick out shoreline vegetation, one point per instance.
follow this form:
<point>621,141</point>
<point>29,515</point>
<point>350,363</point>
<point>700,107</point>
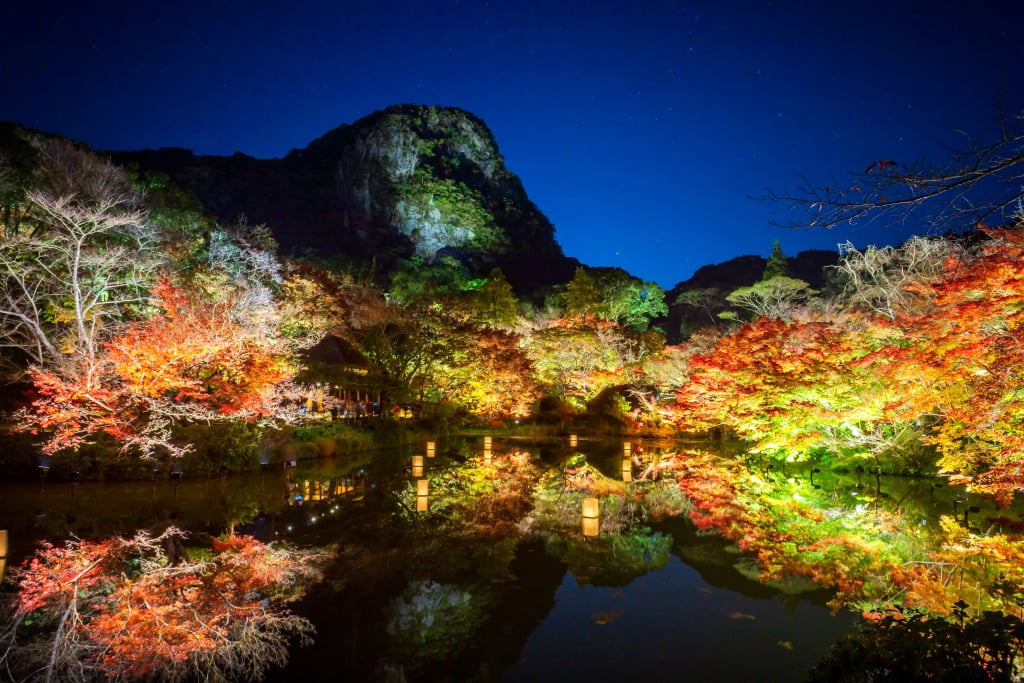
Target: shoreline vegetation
<point>148,340</point>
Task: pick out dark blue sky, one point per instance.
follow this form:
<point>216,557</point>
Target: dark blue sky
<point>639,128</point>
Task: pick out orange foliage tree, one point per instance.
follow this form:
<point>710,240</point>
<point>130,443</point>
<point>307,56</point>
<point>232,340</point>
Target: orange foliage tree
<point>194,360</point>
<point>123,609</point>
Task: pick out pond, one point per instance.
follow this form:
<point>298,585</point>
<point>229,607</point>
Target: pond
<point>476,586</point>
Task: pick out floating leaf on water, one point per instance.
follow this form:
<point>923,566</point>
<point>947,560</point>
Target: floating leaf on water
<point>606,617</point>
<point>742,615</point>
<point>786,644</point>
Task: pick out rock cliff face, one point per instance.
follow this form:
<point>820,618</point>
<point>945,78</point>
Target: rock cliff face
<point>408,180</point>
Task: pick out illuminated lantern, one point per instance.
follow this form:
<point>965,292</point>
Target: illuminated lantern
<point>487,443</point>
<point>421,495</point>
<point>627,469</point>
<point>3,543</point>
<point>487,456</point>
<point>573,440</point>
<point>430,449</point>
<point>591,517</point>
<point>417,466</point>
<point>627,449</point>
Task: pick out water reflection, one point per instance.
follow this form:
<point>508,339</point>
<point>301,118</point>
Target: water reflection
<point>478,562</point>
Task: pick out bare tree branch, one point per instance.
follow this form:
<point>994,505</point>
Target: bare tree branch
<point>980,183</point>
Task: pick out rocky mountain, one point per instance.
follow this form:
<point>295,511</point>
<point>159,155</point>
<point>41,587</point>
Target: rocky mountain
<point>407,181</point>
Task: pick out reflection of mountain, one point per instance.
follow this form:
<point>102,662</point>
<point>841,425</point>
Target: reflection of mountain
<point>520,606</point>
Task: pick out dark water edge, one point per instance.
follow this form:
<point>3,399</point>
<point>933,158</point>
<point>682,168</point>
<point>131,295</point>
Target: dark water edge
<point>667,625</point>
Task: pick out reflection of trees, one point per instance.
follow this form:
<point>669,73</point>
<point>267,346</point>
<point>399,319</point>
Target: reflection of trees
<point>613,559</point>
<point>914,645</point>
<point>432,621</point>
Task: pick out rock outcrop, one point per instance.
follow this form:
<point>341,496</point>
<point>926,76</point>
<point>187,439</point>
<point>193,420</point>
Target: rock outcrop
<point>407,181</point>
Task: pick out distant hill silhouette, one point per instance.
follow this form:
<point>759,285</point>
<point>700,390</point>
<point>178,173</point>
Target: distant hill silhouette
<point>722,278</point>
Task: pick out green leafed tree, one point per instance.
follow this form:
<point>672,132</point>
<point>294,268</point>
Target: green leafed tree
<point>627,299</point>
<point>778,263</point>
<point>581,294</point>
<point>777,298</point>
<point>495,301</point>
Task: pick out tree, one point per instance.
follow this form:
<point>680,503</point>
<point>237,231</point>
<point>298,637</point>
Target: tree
<point>778,264</point>
<point>409,349</point>
<point>581,294</point>
<point>496,302</point>
<point>980,183</point>
<point>627,299</point>
<point>915,645</point>
<point>79,269</point>
<point>778,297</point>
<point>574,359</point>
<point>197,360</point>
<point>889,280</point>
<point>18,161</point>
<point>490,375</point>
<point>138,609</point>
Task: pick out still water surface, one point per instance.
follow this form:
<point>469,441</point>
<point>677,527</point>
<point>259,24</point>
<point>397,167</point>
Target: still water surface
<point>411,599</point>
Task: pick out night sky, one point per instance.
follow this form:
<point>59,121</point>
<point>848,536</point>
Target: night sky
<point>639,128</point>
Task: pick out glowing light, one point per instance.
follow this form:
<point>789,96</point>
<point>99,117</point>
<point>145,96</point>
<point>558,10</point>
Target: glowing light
<point>422,487</point>
<point>591,517</point>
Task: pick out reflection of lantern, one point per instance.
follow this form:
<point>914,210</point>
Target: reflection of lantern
<point>627,449</point>
<point>627,469</point>
<point>487,456</point>
<point>417,466</point>
<point>591,518</point>
<point>487,443</point>
<point>572,440</point>
<point>421,495</point>
<point>430,449</point>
